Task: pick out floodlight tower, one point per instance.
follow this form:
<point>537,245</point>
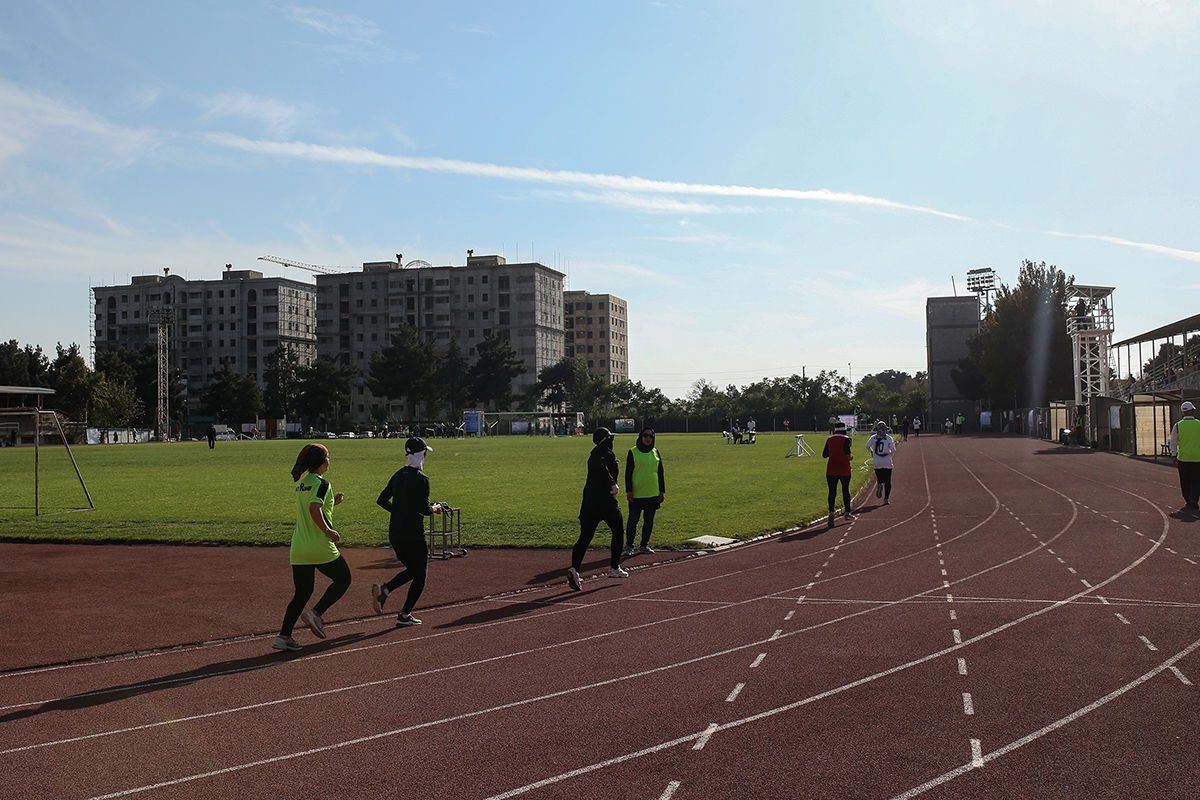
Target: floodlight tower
<point>1090,326</point>
<point>162,317</point>
<point>982,281</point>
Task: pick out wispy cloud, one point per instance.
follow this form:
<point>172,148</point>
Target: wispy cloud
<point>276,116</point>
<point>354,37</point>
<point>652,203</point>
<point>1174,252</point>
<point>365,157</point>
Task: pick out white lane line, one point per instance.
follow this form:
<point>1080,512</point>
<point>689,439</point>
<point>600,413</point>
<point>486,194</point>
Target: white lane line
<point>1103,600</point>
<point>1051,552</point>
<point>758,660</point>
<point>945,584</point>
<point>669,791</point>
<point>1072,570</point>
<point>962,666</point>
<point>953,614</point>
<point>736,691</point>
<point>1085,583</point>
<point>944,573</point>
<point>963,769</point>
<point>699,745</point>
<point>968,705</point>
<point>1122,618</point>
<point>818,574</point>
<point>775,635</point>
<point>789,615</point>
<point>800,599</point>
<point>949,598</point>
<point>976,754</point>
<point>1147,642</point>
<point>1185,558</point>
<point>957,636</point>
<point>1182,678</point>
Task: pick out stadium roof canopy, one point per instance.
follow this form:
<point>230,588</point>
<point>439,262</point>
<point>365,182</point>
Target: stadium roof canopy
<point>1182,327</point>
<point>25,390</point>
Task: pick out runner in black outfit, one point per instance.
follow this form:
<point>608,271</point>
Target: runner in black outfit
<point>407,498</point>
<point>599,505</point>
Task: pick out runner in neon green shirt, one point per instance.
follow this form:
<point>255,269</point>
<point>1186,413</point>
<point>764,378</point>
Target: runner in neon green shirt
<point>314,546</point>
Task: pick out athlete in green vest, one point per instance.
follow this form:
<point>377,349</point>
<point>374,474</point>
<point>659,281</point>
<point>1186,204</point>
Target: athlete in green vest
<point>644,489</point>
<point>1185,446</point>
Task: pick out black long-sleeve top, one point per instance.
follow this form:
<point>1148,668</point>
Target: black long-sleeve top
<point>406,496</point>
<point>601,478</point>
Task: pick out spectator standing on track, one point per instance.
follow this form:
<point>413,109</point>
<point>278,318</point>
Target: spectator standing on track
<point>837,470</point>
<point>1185,447</point>
<point>959,419</point>
<point>599,505</point>
<point>406,498</point>
<point>881,447</point>
<point>645,489</point>
<point>314,546</point>
<point>916,426</point>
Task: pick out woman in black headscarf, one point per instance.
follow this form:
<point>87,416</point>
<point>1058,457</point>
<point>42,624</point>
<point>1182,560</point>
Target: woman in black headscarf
<point>599,505</point>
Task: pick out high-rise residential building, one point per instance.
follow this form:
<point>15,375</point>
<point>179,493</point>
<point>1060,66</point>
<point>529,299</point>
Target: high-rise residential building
<point>357,312</point>
<point>597,332</point>
<point>238,319</point>
<point>949,323</point>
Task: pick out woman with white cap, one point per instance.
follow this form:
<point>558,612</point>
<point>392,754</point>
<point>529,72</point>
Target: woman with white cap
<point>599,505</point>
<point>882,446</point>
<point>1185,446</point>
<point>407,498</point>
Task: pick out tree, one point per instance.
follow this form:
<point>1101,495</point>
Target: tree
<point>452,378</point>
<point>72,382</point>
<point>113,404</point>
<point>23,367</point>
<point>282,378</point>
<point>492,374</point>
<point>1021,356</point>
<point>138,369</point>
<point>555,384</point>
<point>403,370</point>
<point>324,386</point>
<point>232,398</point>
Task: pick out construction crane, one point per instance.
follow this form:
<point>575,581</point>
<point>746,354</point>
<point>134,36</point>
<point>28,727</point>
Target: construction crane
<point>287,262</point>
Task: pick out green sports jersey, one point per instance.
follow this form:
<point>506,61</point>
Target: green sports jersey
<point>309,544</point>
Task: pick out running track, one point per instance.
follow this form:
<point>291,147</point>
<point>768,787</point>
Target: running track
<point>1022,621</point>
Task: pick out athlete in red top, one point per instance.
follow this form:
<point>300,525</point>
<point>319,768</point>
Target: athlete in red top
<point>837,450</point>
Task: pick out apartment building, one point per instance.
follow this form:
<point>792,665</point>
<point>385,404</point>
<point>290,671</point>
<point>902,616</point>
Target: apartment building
<point>596,331</point>
<point>358,311</point>
<point>238,319</point>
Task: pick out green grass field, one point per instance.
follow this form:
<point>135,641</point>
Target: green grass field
<point>513,491</point>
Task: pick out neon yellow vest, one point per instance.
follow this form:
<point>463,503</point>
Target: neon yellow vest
<point>645,472</point>
<point>1189,439</point>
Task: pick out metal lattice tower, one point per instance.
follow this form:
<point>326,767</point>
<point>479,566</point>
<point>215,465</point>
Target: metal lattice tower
<point>1090,326</point>
<point>162,318</point>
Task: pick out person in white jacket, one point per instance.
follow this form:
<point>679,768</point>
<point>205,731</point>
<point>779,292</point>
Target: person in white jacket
<point>882,446</point>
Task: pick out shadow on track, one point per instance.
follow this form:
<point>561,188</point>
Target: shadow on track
<point>561,574</point>
<point>98,697</point>
<point>510,610</point>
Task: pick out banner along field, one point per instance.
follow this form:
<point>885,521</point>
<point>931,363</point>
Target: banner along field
<point>514,491</point>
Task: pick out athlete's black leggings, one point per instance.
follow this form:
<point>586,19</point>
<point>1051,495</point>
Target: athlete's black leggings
<point>587,530</point>
<point>304,576</point>
<point>414,555</point>
<point>833,481</point>
<point>884,477</point>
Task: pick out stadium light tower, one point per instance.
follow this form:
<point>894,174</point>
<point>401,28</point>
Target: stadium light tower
<point>1090,326</point>
<point>982,281</point>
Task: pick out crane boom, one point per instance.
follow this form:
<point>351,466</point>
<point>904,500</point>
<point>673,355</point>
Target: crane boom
<point>287,262</point>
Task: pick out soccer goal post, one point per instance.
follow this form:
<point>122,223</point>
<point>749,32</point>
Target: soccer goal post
<point>39,423</point>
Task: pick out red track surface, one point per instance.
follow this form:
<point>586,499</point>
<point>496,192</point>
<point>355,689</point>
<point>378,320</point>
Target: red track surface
<point>1022,621</point>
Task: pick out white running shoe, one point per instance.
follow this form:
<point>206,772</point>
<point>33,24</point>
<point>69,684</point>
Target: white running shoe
<point>628,551</point>
<point>646,550</point>
<point>406,620</point>
<point>285,643</point>
<point>313,620</point>
<point>573,579</point>
<point>617,572</point>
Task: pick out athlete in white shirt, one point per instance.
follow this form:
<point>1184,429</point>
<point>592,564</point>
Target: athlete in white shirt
<point>881,446</point>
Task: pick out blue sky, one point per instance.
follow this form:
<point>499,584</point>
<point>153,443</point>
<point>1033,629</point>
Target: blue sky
<point>772,186</point>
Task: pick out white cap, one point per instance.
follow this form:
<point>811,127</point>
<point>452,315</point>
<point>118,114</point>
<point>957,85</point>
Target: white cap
<point>1187,406</point>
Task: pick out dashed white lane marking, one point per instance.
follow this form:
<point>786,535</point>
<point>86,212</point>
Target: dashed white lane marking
<point>1122,618</point>
<point>1182,678</point>
<point>669,792</point>
<point>962,666</point>
<point>704,737</point>
<point>758,660</point>
<point>1147,642</point>
<point>736,691</point>
<point>1085,583</point>
<point>1185,558</point>
<point>968,706</point>
<point>949,598</point>
<point>789,615</point>
<point>945,584</point>
<point>943,572</point>
<point>775,635</point>
<point>818,574</point>
<point>1072,570</point>
<point>957,636</point>
<point>1103,600</point>
<point>976,754</point>
<point>953,614</point>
